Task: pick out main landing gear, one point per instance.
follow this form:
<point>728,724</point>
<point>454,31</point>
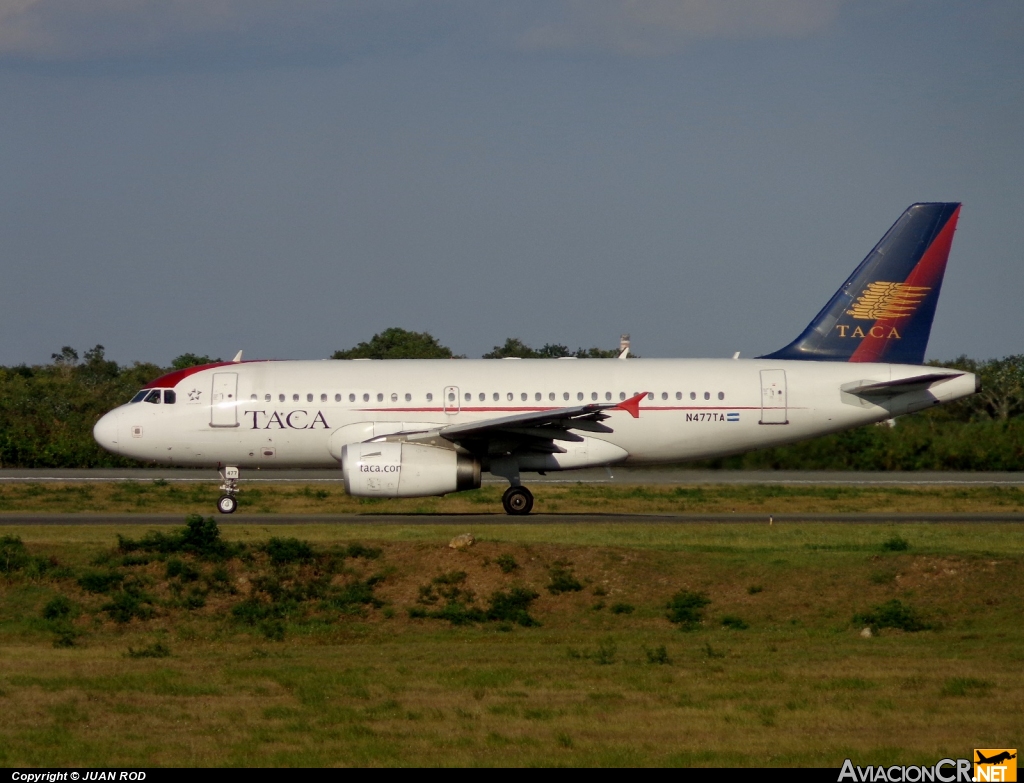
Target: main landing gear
<point>226,503</point>
<point>517,500</point>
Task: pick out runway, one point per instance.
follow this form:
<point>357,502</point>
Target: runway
<point>654,476</point>
<point>480,520</point>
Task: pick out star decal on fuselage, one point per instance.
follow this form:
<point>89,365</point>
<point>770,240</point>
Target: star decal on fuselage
<point>193,396</point>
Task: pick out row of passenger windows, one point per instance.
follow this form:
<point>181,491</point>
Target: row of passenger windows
<point>481,397</point>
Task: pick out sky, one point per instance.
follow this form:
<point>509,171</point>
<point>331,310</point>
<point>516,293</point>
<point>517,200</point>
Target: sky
<point>289,178</point>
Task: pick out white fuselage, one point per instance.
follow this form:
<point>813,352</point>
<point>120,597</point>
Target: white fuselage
<point>292,414</point>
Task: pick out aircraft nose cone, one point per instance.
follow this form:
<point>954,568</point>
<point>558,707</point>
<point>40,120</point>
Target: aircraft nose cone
<point>105,431</point>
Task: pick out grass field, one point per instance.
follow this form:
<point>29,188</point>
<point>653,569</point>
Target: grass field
<point>303,498</point>
<point>538,645</point>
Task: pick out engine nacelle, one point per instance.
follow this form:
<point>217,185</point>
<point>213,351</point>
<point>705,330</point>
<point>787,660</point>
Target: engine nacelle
<point>406,470</point>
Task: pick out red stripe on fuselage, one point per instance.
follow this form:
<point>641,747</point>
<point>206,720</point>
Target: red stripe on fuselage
<point>927,272</point>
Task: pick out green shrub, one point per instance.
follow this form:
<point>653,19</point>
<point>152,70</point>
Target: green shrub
<point>13,555</point>
<point>156,650</point>
<point>128,603</point>
<point>896,544</point>
<point>288,550</point>
<point>734,622</point>
<point>100,581</point>
<point>178,568</point>
<point>199,537</point>
<point>754,589</point>
<point>506,563</point>
<point>512,606</point>
<point>563,580</point>
<point>893,614</point>
<point>622,608</point>
<point>659,655</point>
<point>686,608</point>
<point>355,550</point>
<point>59,607</point>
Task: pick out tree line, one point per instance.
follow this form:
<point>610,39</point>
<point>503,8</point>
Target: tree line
<point>47,412</point>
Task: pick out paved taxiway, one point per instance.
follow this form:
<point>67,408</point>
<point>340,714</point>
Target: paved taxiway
<point>469,520</point>
<point>598,476</point>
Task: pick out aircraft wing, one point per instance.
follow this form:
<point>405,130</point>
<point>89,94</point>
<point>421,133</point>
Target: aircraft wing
<point>534,431</point>
<point>900,386</point>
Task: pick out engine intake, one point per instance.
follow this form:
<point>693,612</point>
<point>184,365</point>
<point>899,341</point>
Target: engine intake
<point>406,470</point>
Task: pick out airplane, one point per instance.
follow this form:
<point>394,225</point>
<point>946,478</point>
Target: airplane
<point>996,759</point>
<point>423,427</point>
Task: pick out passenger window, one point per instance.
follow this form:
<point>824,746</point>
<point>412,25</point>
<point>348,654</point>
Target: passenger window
<point>323,398</point>
<point>140,396</point>
<point>408,397</point>
<point>295,398</point>
<point>483,396</point>
<point>693,395</point>
<point>650,395</point>
<point>170,397</point>
<point>721,395</point>
<point>679,395</point>
<point>622,395</point>
<point>351,398</point>
<point>153,397</point>
<point>468,396</point>
<point>266,398</point>
<point>394,397</point>
<point>551,396</point>
<point>380,397</point>
<point>366,398</point>
<point>707,395</point>
<point>607,395</point>
<point>251,397</point>
<point>451,396</point>
<point>537,396</point>
<point>593,395</point>
<point>497,397</point>
<point>430,397</point>
<point>565,395</point>
<point>523,396</point>
<point>309,398</point>
<point>664,395</point>
<point>337,398</point>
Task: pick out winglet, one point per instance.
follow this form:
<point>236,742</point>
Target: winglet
<point>632,405</point>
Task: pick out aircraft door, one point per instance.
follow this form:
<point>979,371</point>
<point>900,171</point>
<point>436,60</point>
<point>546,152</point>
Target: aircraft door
<point>451,400</point>
<point>224,410</point>
<point>773,397</point>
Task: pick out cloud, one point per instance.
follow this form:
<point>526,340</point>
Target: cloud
<point>84,30</point>
<point>652,27</point>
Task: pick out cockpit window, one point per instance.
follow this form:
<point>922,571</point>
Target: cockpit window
<point>170,397</point>
<point>140,396</point>
<point>153,397</point>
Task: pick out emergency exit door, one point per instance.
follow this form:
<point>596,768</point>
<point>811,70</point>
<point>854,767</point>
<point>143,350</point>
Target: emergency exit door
<point>773,397</point>
<point>451,400</point>
<point>224,400</point>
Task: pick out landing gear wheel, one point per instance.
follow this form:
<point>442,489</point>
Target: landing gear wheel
<point>518,501</point>
<point>227,504</point>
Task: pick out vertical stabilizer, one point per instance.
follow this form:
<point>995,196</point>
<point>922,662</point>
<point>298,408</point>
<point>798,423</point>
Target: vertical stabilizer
<point>884,311</point>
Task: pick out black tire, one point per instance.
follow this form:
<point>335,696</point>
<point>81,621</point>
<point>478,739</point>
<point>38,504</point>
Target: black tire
<point>226,504</point>
<point>517,501</point>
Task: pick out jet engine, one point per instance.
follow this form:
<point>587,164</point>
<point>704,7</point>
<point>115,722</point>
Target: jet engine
<point>406,470</point>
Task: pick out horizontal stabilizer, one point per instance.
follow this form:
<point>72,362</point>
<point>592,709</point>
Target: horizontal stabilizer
<point>894,388</point>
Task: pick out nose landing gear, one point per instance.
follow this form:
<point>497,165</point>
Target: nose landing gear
<point>227,503</point>
<point>517,501</point>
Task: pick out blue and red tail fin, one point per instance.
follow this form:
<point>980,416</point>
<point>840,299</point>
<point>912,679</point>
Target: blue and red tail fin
<point>884,311</point>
